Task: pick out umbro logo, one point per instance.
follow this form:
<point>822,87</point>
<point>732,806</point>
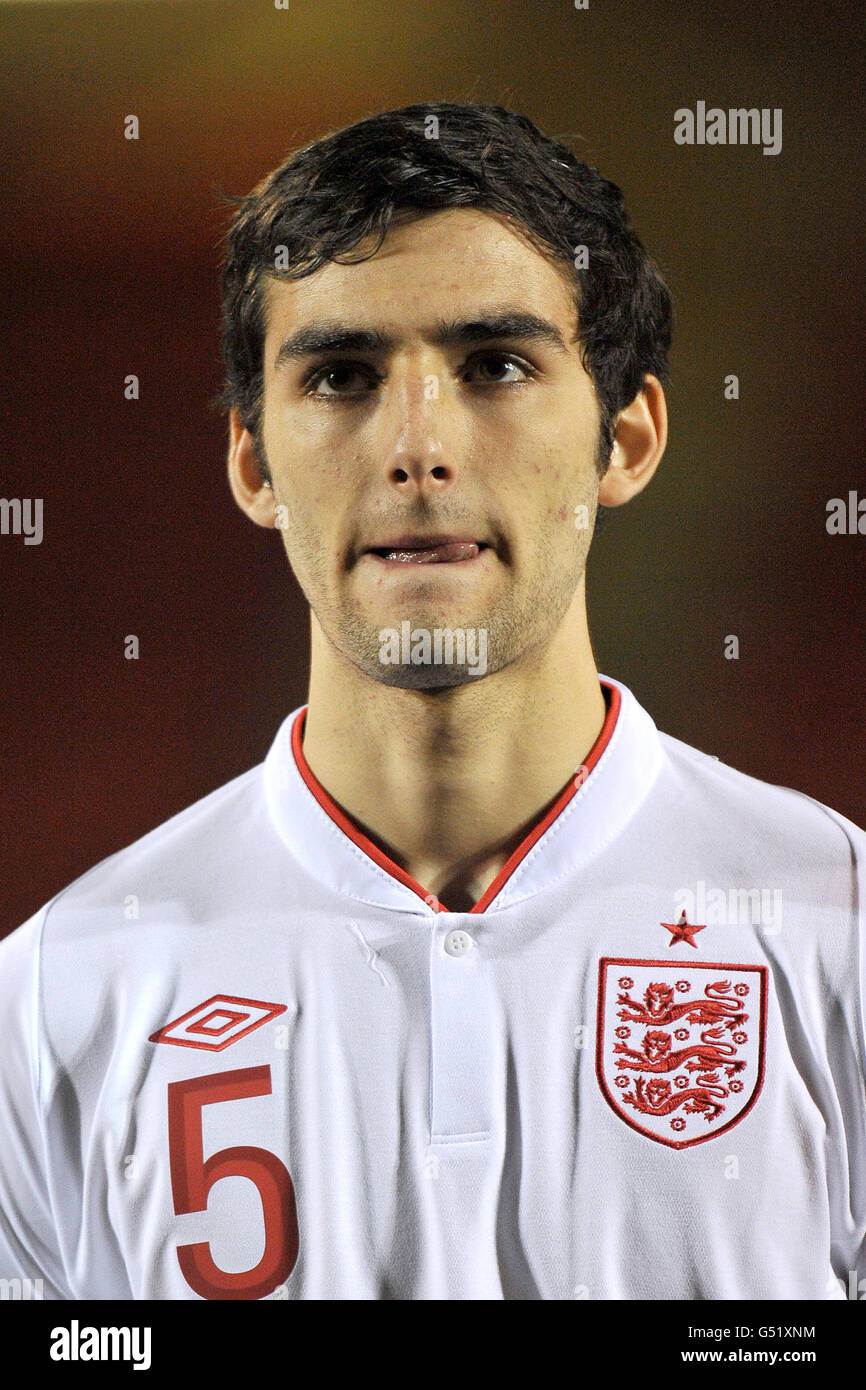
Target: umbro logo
<point>217,1023</point>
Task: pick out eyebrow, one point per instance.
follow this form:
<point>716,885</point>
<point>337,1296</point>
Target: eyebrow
<point>333,337</point>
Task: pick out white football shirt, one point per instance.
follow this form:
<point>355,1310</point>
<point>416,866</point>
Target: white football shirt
<point>247,1057</point>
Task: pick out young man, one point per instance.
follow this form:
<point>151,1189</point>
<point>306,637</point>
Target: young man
<point>472,981</point>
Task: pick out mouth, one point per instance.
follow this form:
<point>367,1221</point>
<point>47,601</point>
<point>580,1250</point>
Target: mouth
<point>427,550</point>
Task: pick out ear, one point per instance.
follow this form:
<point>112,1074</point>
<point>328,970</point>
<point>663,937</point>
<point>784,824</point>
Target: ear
<point>640,437</point>
<point>252,494</point>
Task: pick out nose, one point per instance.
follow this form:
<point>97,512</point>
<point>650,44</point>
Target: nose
<point>417,436</point>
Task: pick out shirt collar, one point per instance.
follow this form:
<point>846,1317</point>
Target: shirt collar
<point>593,807</point>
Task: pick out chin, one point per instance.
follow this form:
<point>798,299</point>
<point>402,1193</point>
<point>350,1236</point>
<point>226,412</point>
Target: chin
<point>425,677</point>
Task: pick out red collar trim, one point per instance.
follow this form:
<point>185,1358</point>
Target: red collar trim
<point>339,817</point>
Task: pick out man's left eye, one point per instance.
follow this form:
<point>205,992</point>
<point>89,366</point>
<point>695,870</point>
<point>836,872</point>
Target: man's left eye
<point>497,362</point>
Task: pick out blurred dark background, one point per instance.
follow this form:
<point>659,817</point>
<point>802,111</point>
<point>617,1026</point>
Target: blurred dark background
<point>111,250</point>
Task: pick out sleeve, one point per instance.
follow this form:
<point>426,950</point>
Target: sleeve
<point>859,1179</point>
<point>848,1049</point>
<point>29,1247</point>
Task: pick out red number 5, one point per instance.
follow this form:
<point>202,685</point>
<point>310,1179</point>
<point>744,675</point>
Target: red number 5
<point>192,1179</point>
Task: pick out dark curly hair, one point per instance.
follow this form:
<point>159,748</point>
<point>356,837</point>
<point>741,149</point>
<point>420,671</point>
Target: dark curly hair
<point>346,187</point>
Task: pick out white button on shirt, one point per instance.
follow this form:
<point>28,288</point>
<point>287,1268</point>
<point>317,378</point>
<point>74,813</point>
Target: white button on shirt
<point>457,943</point>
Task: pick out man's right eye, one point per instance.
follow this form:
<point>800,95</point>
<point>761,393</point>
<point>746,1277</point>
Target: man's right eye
<point>338,378</point>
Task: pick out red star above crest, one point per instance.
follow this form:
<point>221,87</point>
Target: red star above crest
<point>681,931</point>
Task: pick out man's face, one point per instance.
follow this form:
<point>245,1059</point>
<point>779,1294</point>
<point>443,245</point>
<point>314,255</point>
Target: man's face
<point>429,471</point>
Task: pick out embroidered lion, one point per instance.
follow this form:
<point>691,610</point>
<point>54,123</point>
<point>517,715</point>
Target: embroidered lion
<point>658,1054</point>
<point>658,1006</point>
<point>657,1097</point>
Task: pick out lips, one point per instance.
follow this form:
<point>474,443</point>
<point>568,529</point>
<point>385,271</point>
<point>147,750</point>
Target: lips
<point>427,550</point>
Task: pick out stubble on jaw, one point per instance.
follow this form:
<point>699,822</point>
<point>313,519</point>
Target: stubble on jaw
<point>515,624</point>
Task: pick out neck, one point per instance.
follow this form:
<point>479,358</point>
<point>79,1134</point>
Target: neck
<point>449,782</point>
